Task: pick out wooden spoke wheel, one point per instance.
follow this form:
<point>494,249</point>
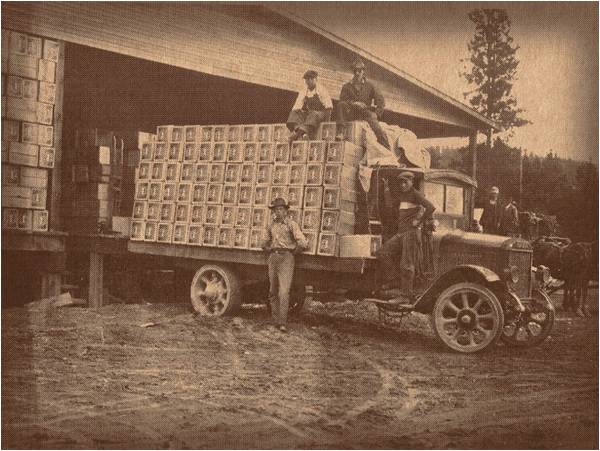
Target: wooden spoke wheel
<point>530,328</point>
<point>215,291</point>
<point>467,317</point>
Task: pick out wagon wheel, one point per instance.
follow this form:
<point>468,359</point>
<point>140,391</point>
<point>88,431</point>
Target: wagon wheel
<point>467,317</point>
<point>533,326</point>
<point>215,291</point>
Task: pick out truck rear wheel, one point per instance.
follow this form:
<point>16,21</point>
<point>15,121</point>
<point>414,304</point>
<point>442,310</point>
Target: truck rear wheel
<point>215,291</point>
<point>467,317</point>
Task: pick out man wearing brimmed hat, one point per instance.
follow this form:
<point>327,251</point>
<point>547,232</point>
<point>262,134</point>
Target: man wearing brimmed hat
<point>356,99</point>
<point>401,257</point>
<point>492,213</point>
<point>283,239</point>
<point>313,106</point>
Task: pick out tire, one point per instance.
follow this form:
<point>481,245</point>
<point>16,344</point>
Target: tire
<point>532,327</point>
<point>215,291</point>
<point>467,317</point>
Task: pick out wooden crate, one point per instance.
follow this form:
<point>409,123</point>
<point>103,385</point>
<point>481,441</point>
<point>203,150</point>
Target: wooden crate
<point>202,172</point>
<point>204,152</point>
<point>256,239</point>
<point>23,65</point>
<point>23,154</point>
<point>245,194</point>
<point>167,212</point>
<point>344,152</point>
<point>250,152</point>
<point>335,198</point>
<point>206,133</point>
<point>312,238</point>
<point>10,218</point>
<point>277,191</point>
<point>161,152</point>
<point>46,157</point>
<point>155,191</point>
<point>261,196</point>
<point>243,216</point>
<point>281,153</point>
<point>179,233</point>
<point>299,152</point>
<point>190,133</point>
<point>141,191</point>
<point>233,172</point>
<point>138,230</point>
<point>50,50</point>
<point>219,152</point>
<point>311,220</point>
<point>30,91</point>
<point>195,235</point>
<point>316,151</point>
<point>295,196</point>
<point>212,214</point>
<point>217,173</point>
<point>14,86</point>
<point>280,133</point>
<point>199,191</point>
<point>249,133</point>
<point>314,174</point>
<point>151,231</point>
<point>153,211</point>
<point>11,174</point>
<point>327,131</point>
<point>234,133</point>
<point>214,194</point>
<point>241,238</point>
<point>228,215</point>
<point>264,174</point>
<point>46,71</point>
<point>297,174</point>
<point>165,232</point>
<point>140,209</point>
<point>182,212</point>
<point>328,245</point>
<point>169,192</point>
<point>175,152</point>
<point>143,171</point>
<point>158,171</point>
<point>38,198</point>
<point>247,173</point>
<point>11,130</point>
<point>230,194</point>
<point>264,133</point>
<point>281,174</point>
<point>21,109</point>
<point>29,133</point>
<point>226,235</point>
<point>45,113</point>
<point>188,172</point>
<point>190,152</point>
<point>334,221</point>
<point>220,133</point>
<point>33,177</point>
<point>197,214</point>
<point>17,43</point>
<point>47,93</point>
<point>359,246</point>
<point>184,192</point>
<point>313,197</point>
<point>339,175</point>
<point>234,152</point>
<point>260,217</point>
<point>172,172</point>
<point>266,151</point>
<point>40,220</point>
<point>209,237</point>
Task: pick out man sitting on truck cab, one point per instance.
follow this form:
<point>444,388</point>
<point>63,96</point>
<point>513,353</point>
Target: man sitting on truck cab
<point>283,239</point>
<point>313,106</point>
<point>401,257</point>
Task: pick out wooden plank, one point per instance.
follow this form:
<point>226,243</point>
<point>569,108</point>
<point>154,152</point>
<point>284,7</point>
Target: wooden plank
<point>54,201</point>
<point>96,291</point>
<point>248,257</point>
<point>102,244</point>
<point>15,240</point>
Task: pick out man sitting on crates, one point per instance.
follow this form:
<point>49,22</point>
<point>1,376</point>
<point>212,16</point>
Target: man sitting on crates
<point>313,106</point>
<point>355,103</point>
<point>283,239</point>
<point>401,257</point>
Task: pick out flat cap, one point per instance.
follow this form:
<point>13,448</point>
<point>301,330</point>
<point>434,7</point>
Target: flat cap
<point>358,64</point>
<point>279,202</point>
<point>406,175</point>
<point>310,74</point>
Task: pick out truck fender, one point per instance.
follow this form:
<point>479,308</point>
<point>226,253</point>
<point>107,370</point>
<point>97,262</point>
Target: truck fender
<point>461,273</point>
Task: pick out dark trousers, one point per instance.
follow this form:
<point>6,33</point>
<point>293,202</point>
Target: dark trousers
<point>281,274</point>
<point>347,112</point>
<point>307,121</point>
<point>401,258</point>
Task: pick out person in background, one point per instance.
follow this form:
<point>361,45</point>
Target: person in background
<point>356,99</point>
<point>283,240</point>
<point>509,220</point>
<point>492,213</point>
<point>403,252</point>
<point>313,106</point>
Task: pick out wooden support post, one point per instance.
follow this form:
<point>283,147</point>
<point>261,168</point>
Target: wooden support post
<point>51,283</point>
<point>95,295</point>
<point>473,152</point>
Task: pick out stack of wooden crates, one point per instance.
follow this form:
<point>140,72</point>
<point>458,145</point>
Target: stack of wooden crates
<point>29,93</point>
<point>212,185</point>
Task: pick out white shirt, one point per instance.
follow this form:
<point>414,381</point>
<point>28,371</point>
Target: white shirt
<point>305,92</point>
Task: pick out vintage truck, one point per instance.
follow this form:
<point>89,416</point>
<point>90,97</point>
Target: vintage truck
<point>481,287</point>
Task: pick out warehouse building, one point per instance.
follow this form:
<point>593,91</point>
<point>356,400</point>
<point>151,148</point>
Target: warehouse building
<point>72,66</point>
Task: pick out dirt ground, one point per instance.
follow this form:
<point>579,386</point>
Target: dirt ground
<point>79,378</point>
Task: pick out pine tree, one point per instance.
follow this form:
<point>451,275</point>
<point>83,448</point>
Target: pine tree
<point>493,69</point>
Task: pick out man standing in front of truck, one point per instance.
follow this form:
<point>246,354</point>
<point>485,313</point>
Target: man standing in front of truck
<point>283,240</point>
<point>403,252</point>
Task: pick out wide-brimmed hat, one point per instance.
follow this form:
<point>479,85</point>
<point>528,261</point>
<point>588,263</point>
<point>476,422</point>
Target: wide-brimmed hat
<point>310,74</point>
<point>279,202</point>
<point>406,175</point>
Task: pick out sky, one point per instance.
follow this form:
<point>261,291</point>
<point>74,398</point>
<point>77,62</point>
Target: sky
<point>557,78</point>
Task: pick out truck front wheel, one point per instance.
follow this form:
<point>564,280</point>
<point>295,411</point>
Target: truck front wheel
<point>215,291</point>
<point>467,317</point>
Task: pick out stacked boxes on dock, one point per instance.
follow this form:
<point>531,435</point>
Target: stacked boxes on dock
<point>212,185</point>
<point>93,184</point>
<point>28,99</point>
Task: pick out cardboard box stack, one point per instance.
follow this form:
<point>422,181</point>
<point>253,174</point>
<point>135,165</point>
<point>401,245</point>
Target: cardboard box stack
<point>93,178</point>
<point>28,100</point>
<point>212,185</point>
